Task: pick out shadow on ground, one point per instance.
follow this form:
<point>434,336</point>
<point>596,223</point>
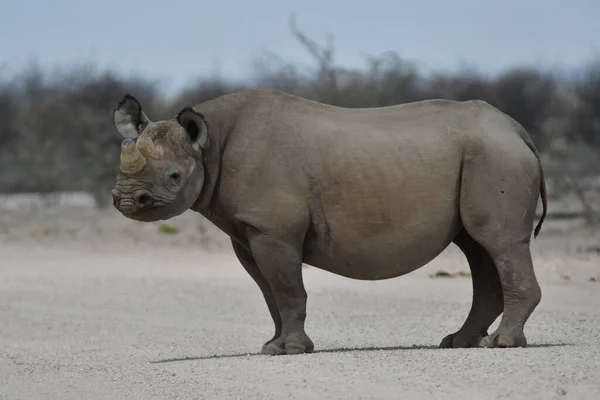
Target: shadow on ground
<point>337,350</point>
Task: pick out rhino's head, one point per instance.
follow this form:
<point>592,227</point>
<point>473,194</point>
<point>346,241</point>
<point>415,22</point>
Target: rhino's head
<point>162,171</point>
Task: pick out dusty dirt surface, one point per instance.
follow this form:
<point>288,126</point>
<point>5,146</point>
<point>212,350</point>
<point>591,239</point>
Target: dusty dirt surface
<point>94,306</point>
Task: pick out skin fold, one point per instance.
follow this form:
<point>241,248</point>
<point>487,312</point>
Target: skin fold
<point>368,194</point>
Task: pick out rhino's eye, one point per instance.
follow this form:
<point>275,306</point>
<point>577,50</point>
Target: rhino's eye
<point>175,177</point>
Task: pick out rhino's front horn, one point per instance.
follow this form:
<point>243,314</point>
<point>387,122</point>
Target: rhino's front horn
<point>146,146</point>
<point>132,161</point>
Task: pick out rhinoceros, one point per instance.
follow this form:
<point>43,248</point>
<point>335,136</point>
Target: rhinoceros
<point>365,193</point>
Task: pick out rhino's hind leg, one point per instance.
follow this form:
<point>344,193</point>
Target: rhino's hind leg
<point>487,295</point>
<point>280,264</point>
<point>499,193</point>
<point>250,266</point>
<point>522,294</point>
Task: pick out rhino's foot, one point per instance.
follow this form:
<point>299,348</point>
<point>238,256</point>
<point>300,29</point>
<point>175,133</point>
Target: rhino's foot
<point>504,339</point>
<point>462,340</point>
<point>292,344</point>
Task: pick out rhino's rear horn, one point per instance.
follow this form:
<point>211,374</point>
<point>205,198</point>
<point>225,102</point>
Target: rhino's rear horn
<point>146,146</point>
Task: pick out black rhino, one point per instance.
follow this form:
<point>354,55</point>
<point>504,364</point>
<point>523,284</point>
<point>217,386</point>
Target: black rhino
<point>370,193</point>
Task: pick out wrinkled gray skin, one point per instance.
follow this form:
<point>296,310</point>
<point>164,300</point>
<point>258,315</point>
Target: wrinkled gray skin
<point>363,193</point>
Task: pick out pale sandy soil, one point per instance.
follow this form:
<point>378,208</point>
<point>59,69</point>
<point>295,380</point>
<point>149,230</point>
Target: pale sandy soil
<point>94,306</point>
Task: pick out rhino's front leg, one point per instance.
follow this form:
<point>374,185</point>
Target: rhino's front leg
<point>280,263</point>
<point>249,264</point>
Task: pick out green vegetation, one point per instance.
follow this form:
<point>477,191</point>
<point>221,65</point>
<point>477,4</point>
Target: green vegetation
<point>168,229</point>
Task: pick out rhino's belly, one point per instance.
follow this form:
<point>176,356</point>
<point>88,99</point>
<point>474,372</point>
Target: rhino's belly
<point>374,254</point>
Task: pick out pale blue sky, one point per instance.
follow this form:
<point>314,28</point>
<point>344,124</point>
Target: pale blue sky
<point>175,40</point>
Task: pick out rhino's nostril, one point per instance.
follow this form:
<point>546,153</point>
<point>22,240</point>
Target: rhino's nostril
<point>116,197</point>
<point>143,199</point>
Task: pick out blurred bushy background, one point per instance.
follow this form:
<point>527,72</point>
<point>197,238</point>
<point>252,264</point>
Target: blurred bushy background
<point>56,131</point>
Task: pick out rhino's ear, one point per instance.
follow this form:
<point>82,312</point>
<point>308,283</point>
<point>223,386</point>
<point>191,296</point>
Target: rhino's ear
<point>195,126</point>
<point>129,118</point>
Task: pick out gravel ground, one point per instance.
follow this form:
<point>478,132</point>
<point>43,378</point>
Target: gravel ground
<point>97,307</point>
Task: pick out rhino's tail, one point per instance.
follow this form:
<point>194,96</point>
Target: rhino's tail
<point>543,192</point>
<point>544,195</point>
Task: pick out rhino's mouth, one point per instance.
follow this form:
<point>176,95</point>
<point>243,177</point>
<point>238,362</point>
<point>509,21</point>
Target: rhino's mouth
<point>146,214</point>
<point>141,204</point>
<point>155,212</point>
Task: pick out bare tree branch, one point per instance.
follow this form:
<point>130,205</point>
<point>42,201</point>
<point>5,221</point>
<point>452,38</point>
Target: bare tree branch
<point>323,55</point>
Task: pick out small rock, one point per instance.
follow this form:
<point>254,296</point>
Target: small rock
<point>445,274</point>
<point>594,249</point>
<point>593,279</point>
